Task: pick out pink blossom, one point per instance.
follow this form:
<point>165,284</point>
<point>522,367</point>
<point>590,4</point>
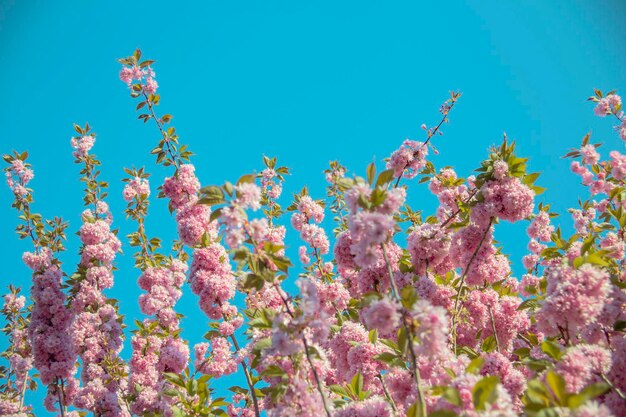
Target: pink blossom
<point>409,159</point>
<point>500,169</point>
<point>429,246</point>
<point>368,231</point>
<point>304,257</point>
<point>618,165</point>
<point>602,108</point>
<point>540,227</point>
<point>136,187</point>
<point>582,364</point>
<point>382,315</point>
<point>508,199</point>
<point>194,221</point>
<point>249,196</point>
<point>13,303</point>
<point>432,331</point>
<point>221,362</point>
<point>372,407</point>
<point>589,154</point>
<point>82,145</point>
<point>574,298</point>
<point>183,187</point>
<point>592,409</point>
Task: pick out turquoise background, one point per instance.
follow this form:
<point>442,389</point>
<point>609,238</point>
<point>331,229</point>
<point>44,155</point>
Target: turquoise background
<point>308,82</point>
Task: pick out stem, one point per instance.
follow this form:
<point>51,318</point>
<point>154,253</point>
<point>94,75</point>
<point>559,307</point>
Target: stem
<point>613,387</point>
<point>23,393</point>
<point>160,126</point>
<point>493,328</point>
<point>308,355</point>
<point>461,286</point>
<point>431,133</point>
<point>453,215</point>
<point>61,397</point>
<point>255,401</point>
<point>416,372</point>
<point>382,382</point>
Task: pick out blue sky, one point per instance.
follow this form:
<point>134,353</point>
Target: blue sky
<point>308,82</point>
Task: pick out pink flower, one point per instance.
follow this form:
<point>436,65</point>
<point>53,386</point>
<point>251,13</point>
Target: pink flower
<point>592,409</point>
<point>618,165</point>
<point>429,246</point>
<point>432,331</point>
<point>590,155</point>
<point>151,86</point>
<point>582,364</point>
<point>409,159</point>
<point>183,187</point>
<point>249,196</point>
<point>194,221</point>
<point>304,257</point>
<point>500,169</point>
<point>82,145</point>
<point>368,231</point>
<point>508,199</point>
<point>372,407</point>
<point>311,209</point>
<point>13,303</point>
<point>382,315</point>
<point>602,108</point>
<point>574,298</point>
<point>540,227</point>
<point>136,187</point>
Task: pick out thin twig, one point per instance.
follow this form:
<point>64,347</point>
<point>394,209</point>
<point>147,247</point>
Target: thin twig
<point>382,382</point>
<point>461,285</point>
<point>307,353</point>
<point>493,328</point>
<point>416,372</point>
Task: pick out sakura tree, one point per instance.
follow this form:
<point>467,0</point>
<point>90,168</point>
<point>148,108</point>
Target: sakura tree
<point>397,313</point>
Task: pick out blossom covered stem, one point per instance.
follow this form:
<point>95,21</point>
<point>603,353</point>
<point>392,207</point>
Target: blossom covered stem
<point>462,284</point>
<point>416,373</point>
<point>433,132</point>
<point>166,139</point>
<point>453,215</point>
<point>246,372</point>
<point>61,399</point>
<point>318,382</point>
<point>613,387</point>
<point>493,328</point>
<point>386,391</point>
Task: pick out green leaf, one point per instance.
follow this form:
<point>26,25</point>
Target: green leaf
<point>453,396</point>
<point>384,177</point>
<point>371,173</point>
<point>442,413</point>
<point>557,385</point>
<point>551,349</point>
<point>249,178</point>
<point>619,325</point>
<point>484,392</point>
<point>588,393</point>
<point>414,411</point>
<point>475,365</point>
<point>357,384</point>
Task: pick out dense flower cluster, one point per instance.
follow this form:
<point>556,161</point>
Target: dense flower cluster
<point>395,314</point>
<point>18,353</point>
<point>50,323</point>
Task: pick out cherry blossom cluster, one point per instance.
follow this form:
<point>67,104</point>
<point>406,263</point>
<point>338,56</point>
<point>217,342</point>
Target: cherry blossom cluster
<point>18,354</point>
<point>97,327</point>
<point>396,313</point>
<point>610,104</point>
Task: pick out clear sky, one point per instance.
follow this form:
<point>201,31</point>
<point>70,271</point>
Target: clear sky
<point>308,82</point>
